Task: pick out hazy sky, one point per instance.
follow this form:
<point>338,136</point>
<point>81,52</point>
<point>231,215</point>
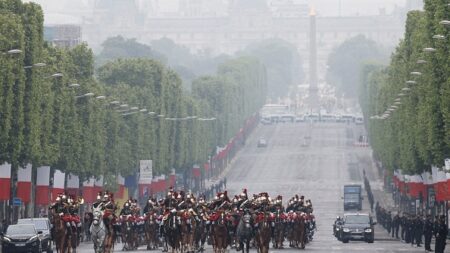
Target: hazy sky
<point>54,8</point>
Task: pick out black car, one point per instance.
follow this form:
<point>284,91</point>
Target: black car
<point>41,224</point>
<point>357,226</point>
<point>22,238</point>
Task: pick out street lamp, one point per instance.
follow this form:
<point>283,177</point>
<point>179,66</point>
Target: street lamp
<point>429,49</point>
<point>57,75</point>
<point>397,103</point>
<point>416,73</point>
<point>74,85</point>
<point>38,65</point>
<point>411,82</point>
<point>13,51</point>
<point>445,22</point>
<point>439,37</point>
<point>89,94</point>
<point>420,61</point>
<point>406,89</point>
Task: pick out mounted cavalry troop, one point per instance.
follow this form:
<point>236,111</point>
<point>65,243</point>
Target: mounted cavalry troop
<point>181,222</point>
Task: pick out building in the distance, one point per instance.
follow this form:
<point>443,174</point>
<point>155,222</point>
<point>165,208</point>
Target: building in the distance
<point>64,36</point>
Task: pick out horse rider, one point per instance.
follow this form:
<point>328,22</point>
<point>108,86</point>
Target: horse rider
<point>98,200</point>
<point>109,209</point>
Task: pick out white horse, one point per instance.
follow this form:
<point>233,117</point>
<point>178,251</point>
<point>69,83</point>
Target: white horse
<point>98,231</point>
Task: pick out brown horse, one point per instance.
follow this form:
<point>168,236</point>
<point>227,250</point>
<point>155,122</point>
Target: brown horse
<point>299,231</point>
<point>220,234</point>
<point>129,233</point>
<point>188,226</point>
<point>263,234</point>
<point>278,234</point>
<point>61,235</point>
<point>151,231</point>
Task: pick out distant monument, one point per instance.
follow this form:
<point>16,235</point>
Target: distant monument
<point>313,89</point>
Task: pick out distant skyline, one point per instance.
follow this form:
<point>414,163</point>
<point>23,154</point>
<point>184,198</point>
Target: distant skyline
<point>57,11</point>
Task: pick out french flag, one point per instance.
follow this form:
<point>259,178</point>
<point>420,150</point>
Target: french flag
<point>24,183</point>
<point>43,185</point>
<point>98,185</point>
<point>5,181</point>
<point>89,193</point>
<point>73,184</point>
<point>59,179</point>
<point>121,182</point>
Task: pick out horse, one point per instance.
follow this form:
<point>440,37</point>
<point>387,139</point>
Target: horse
<point>200,234</point>
<point>220,234</point>
<point>98,231</point>
<point>188,225</point>
<point>62,236</point>
<point>299,229</point>
<point>263,234</point>
<point>278,233</point>
<point>129,235</point>
<point>245,232</point>
<point>172,232</point>
<point>151,231</point>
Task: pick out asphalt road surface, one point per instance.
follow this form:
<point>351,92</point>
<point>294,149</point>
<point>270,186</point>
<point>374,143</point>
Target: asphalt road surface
<point>317,167</point>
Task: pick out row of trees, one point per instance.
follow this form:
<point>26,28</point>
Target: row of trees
<point>280,57</point>
<point>61,115</point>
<point>407,104</point>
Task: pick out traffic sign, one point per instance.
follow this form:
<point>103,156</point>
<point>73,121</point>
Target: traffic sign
<point>17,202</point>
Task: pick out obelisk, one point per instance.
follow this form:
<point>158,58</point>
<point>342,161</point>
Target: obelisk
<point>313,89</point>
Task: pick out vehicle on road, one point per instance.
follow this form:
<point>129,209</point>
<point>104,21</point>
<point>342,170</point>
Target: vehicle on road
<point>41,224</point>
<point>357,226</point>
<point>353,197</point>
<point>262,143</point>
<point>22,238</point>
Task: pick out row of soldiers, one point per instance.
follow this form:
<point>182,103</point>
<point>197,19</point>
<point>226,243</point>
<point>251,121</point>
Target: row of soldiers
<point>413,228</point>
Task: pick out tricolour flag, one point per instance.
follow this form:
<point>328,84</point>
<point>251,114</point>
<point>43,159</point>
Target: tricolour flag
<point>89,193</point>
<point>73,184</point>
<point>5,181</point>
<point>24,183</point>
<point>121,190</point>
<point>42,185</point>
<point>59,179</point>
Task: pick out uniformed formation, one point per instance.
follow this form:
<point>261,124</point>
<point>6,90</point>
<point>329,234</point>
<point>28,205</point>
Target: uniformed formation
<point>66,229</point>
<point>182,221</point>
<point>412,228</point>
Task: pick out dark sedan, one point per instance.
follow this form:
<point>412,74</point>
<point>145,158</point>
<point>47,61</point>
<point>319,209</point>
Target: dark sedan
<point>357,227</point>
<point>41,224</point>
<point>22,238</point>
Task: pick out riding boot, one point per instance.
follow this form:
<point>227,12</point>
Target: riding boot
<point>69,228</point>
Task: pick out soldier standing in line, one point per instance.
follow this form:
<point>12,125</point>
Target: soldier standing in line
<point>403,226</point>
<point>412,229</point>
<point>395,226</point>
<point>408,229</point>
<point>428,232</point>
<point>441,235</point>
<point>389,222</point>
<point>418,230</point>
